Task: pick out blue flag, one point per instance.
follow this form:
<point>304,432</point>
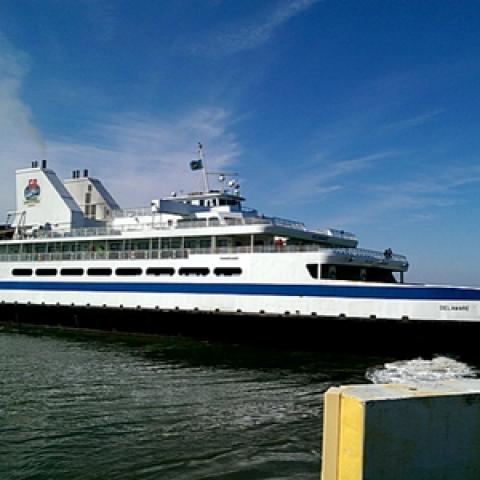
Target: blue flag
<point>196,164</point>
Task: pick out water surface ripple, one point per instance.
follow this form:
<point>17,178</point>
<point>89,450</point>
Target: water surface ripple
<point>89,406</point>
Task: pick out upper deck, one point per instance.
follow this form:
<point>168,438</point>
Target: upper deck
<point>48,209</point>
<point>80,216</point>
<point>200,227</point>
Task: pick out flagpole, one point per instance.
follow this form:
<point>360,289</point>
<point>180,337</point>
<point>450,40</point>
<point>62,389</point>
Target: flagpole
<point>204,169</point>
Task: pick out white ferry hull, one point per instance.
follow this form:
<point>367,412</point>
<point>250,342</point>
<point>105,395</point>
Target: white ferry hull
<point>270,284</point>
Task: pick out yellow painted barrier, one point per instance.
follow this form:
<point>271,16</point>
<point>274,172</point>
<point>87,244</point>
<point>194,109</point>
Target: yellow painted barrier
<point>402,432</point>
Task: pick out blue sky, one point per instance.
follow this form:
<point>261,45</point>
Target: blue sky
<point>361,115</point>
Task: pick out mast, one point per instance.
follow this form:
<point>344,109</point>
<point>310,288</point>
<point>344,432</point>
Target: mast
<point>204,168</point>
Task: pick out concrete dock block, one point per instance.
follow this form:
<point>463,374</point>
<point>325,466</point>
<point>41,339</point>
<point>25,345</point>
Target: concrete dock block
<point>402,432</point>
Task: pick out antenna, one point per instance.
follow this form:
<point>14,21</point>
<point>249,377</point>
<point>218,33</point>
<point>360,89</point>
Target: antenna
<point>204,169</point>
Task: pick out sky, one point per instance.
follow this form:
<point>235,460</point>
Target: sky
<point>358,115</point>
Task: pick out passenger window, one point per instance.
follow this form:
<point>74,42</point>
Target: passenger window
<point>160,271</point>
<point>228,272</point>
<point>313,270</point>
<point>99,272</point>
<point>46,272</point>
<point>74,272</point>
<point>201,271</point>
<point>128,272</point>
<point>22,272</point>
<point>332,272</point>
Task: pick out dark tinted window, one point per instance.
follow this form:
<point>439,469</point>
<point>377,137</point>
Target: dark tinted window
<point>128,272</point>
<point>46,272</point>
<point>228,271</point>
<point>22,272</point>
<point>159,271</point>
<point>356,273</point>
<point>194,271</point>
<point>72,272</point>
<point>313,269</point>
<point>99,272</point>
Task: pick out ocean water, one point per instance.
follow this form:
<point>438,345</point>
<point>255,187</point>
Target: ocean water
<point>77,405</point>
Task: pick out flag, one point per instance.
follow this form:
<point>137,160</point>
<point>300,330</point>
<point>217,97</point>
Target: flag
<point>196,164</point>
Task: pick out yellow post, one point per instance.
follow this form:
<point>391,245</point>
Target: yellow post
<point>401,432</point>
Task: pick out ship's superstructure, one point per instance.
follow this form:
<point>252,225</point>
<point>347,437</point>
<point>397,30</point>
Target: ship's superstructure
<point>91,196</point>
<point>72,245</point>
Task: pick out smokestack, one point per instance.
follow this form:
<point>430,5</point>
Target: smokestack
<point>85,173</point>
<point>44,164</point>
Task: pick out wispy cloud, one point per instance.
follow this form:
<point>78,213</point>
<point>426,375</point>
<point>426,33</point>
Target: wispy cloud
<point>406,124</point>
<point>323,177</point>
<point>138,157</point>
<point>236,38</point>
<point>141,158</point>
<point>20,141</point>
<point>412,200</point>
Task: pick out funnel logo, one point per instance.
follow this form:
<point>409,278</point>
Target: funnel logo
<point>32,192</point>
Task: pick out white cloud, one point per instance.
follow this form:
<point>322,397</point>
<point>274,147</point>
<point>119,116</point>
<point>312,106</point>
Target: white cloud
<point>241,37</point>
<point>20,141</point>
<point>141,158</point>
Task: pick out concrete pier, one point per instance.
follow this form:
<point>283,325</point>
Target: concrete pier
<point>400,432</point>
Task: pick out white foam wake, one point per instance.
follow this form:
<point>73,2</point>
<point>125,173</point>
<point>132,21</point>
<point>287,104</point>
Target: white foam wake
<point>420,370</point>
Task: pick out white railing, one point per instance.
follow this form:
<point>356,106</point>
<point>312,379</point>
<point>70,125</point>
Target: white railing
<point>354,253</point>
<point>341,234</point>
<point>373,255</point>
<point>132,212</point>
<point>118,230</point>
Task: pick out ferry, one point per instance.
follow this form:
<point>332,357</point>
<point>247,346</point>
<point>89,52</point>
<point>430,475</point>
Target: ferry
<point>69,244</point>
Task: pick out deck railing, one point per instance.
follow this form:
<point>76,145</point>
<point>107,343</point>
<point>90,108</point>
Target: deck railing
<point>367,256</point>
<point>119,230</point>
<point>372,255</point>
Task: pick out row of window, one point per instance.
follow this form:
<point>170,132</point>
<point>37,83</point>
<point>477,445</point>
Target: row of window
<point>141,244</point>
<point>127,272</point>
<point>351,272</point>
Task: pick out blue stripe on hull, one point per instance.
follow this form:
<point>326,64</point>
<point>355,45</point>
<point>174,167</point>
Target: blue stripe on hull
<point>342,291</point>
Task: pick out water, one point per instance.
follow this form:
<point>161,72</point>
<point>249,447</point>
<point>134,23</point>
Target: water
<point>90,406</point>
<point>420,370</point>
